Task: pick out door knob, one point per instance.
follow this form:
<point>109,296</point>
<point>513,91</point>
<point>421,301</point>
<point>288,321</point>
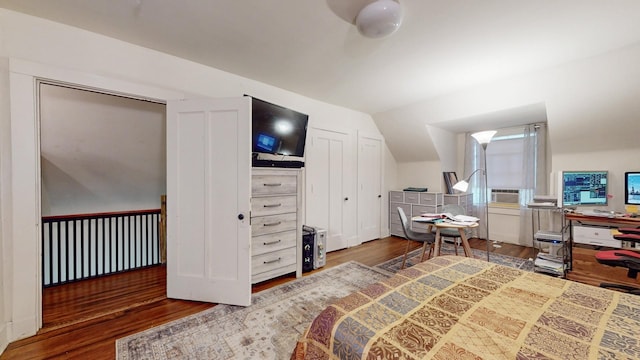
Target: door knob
<point>345,199</point>
<point>240,216</point>
<point>379,196</point>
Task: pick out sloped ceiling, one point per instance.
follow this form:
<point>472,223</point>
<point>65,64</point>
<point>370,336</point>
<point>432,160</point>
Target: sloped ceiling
<point>313,48</point>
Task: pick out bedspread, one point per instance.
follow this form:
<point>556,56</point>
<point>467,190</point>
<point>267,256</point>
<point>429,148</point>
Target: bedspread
<point>454,307</point>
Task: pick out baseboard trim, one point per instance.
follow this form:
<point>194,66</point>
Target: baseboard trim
<point>4,337</point>
<point>21,329</point>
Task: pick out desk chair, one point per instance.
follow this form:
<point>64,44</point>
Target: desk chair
<point>427,239</point>
<point>454,234</point>
<point>623,258</point>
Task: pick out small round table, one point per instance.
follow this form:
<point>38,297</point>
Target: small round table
<point>463,236</point>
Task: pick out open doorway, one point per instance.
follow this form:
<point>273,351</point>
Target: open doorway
<point>101,154</point>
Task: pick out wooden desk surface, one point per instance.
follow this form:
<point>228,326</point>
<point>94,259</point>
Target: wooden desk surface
<point>621,220</point>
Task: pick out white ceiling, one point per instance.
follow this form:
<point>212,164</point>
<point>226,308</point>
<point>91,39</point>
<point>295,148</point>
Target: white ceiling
<point>312,47</point>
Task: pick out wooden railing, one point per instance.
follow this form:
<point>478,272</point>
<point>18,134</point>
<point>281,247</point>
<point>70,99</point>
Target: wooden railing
<point>77,247</point>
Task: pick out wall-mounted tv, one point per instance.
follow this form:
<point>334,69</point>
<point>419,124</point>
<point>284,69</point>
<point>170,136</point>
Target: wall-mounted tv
<point>584,188</point>
<point>632,188</point>
<point>277,130</point>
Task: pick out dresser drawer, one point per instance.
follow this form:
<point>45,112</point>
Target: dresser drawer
<point>431,199</point>
<point>270,224</point>
<point>273,184</point>
<point>461,199</point>
<point>396,196</point>
<point>394,217</point>
<point>273,242</point>
<point>273,260</point>
<point>417,210</point>
<point>593,235</point>
<point>412,197</point>
<point>271,205</point>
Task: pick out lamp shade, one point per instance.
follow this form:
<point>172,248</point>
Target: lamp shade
<point>484,137</point>
<point>379,19</point>
<point>461,185</point>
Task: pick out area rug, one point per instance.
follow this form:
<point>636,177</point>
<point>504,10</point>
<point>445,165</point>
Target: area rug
<point>268,329</point>
<point>413,258</point>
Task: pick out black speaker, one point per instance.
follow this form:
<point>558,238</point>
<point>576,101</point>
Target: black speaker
<point>308,238</point>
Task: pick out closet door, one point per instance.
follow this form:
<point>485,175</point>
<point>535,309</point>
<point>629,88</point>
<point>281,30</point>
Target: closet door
<point>208,200</point>
<point>369,187</point>
<point>328,197</point>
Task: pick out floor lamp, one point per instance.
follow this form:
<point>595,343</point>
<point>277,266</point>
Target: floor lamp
<point>483,138</point>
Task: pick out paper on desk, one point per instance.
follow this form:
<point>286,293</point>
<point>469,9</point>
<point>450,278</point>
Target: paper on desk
<point>461,223</point>
<point>464,218</point>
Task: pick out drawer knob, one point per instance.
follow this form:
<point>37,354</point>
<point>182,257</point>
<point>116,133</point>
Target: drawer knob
<point>273,224</point>
<point>272,184</point>
<point>271,205</point>
<point>271,242</point>
<point>272,261</point>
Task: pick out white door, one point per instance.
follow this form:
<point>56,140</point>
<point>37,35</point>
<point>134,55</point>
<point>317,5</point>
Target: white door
<point>327,191</point>
<point>369,187</point>
<point>208,200</point>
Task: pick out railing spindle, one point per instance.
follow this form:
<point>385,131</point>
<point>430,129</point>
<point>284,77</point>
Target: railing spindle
<point>123,247</point>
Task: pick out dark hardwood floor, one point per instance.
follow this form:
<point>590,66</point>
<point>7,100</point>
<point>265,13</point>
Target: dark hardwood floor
<point>83,320</point>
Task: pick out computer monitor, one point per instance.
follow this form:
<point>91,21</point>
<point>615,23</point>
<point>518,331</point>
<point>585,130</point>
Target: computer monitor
<point>632,188</point>
<point>584,188</point>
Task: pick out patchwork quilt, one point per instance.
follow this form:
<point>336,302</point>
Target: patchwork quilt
<point>454,307</point>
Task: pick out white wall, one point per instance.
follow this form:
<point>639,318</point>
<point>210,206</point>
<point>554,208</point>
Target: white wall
<point>420,174</point>
<point>5,209</point>
<point>40,48</point>
<point>445,143</point>
<point>391,183</point>
<point>100,153</point>
<point>615,161</point>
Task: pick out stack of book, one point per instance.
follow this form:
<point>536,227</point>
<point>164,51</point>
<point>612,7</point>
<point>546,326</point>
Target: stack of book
<point>549,265</point>
<point>550,259</point>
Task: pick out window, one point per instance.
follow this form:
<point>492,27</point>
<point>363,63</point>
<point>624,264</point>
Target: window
<point>505,158</point>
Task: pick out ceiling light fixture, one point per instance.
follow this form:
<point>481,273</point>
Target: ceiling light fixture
<point>379,19</point>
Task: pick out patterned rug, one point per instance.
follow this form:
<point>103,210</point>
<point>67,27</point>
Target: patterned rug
<point>413,258</point>
<point>268,329</point>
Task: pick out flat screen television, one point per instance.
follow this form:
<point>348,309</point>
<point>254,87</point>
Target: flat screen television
<point>632,188</point>
<point>277,130</point>
<point>584,188</point>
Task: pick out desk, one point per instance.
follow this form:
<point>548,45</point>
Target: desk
<point>617,220</point>
<point>608,222</point>
<point>442,225</point>
<point>584,267</point>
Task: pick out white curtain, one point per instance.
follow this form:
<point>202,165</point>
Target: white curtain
<point>534,180</point>
<point>474,160</point>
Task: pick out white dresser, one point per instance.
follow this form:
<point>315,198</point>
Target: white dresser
<point>276,229</point>
<point>413,204</point>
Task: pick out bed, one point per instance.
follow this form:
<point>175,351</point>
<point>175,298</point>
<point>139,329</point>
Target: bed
<point>454,307</point>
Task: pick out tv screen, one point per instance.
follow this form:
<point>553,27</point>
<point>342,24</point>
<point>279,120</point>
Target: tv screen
<point>584,188</point>
<point>277,130</point>
<point>632,188</point>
